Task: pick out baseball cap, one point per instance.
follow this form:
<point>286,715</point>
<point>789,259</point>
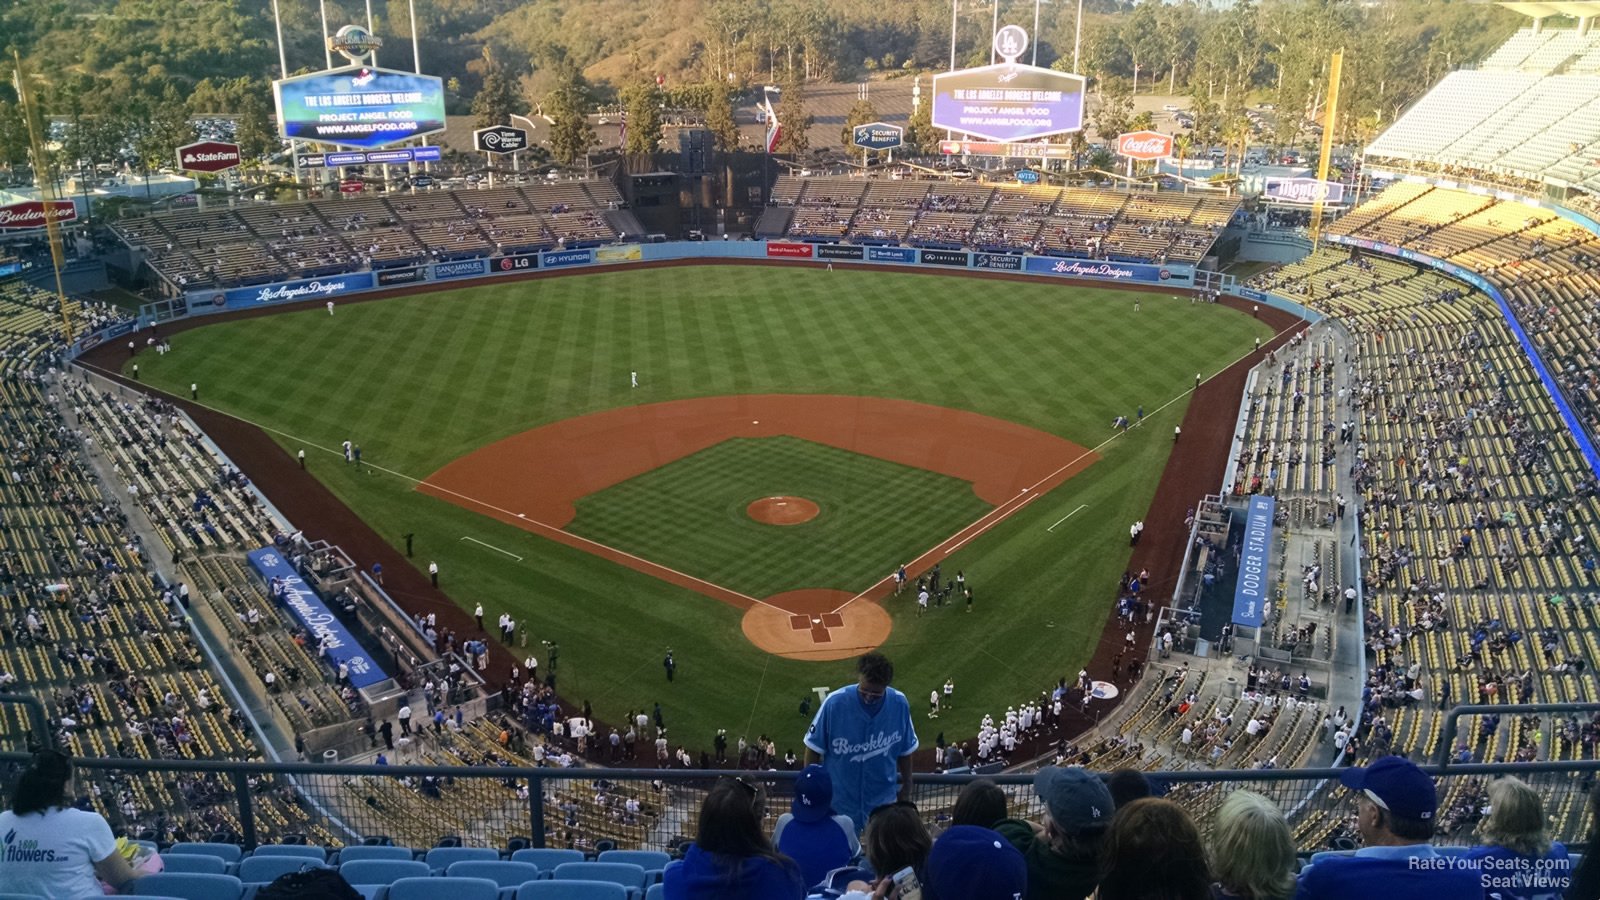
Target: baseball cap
<point>1397,785</point>
<point>972,863</point>
<point>813,795</point>
<point>1076,798</point>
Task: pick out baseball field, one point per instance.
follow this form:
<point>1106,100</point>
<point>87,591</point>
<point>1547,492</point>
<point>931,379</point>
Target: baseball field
<point>794,434</point>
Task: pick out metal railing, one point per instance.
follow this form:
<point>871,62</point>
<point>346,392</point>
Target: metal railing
<point>337,805</point>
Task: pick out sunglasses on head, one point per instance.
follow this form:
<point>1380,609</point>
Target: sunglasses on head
<point>888,806</point>
<point>749,788</point>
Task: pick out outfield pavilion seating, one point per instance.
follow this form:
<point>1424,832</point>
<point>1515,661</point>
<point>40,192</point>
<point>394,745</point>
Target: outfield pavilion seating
<point>1132,227</point>
<point>257,244</point>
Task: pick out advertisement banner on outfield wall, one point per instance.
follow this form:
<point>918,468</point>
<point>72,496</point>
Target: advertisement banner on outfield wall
<point>789,251</point>
<point>999,261</point>
<point>514,263</point>
<point>557,258</point>
<point>398,276</point>
<point>627,253</point>
<point>944,257</point>
<point>1097,268</point>
<point>465,268</point>
<point>839,251</point>
<point>339,645</point>
<point>283,292</point>
<point>891,254</point>
<point>1250,594</point>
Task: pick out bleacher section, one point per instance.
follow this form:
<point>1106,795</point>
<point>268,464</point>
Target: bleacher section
<point>1135,227</point>
<point>263,243</point>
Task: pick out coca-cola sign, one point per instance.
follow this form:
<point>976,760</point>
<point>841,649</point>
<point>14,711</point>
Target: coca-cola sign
<point>208,156</point>
<point>1144,145</point>
<point>31,213</point>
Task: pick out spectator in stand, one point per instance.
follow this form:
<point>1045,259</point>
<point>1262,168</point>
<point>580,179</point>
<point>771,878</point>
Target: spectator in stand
<point>980,803</point>
<point>810,833</point>
<point>1153,851</point>
<point>895,839</point>
<point>1396,804</point>
<point>1526,864</point>
<point>731,859</point>
<point>864,736</point>
<point>1586,878</point>
<point>972,863</point>
<point>1252,852</point>
<point>52,849</point>
<point>1127,785</point>
<point>1062,851</point>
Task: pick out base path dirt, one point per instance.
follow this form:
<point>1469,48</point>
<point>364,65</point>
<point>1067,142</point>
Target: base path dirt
<point>782,510</point>
<point>805,625</point>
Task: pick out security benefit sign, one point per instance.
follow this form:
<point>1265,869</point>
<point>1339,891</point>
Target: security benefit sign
<point>1008,102</point>
<point>878,136</point>
<point>1250,594</point>
<point>359,106</point>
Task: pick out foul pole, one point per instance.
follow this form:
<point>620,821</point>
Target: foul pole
<point>47,188</point>
<point>1335,67</point>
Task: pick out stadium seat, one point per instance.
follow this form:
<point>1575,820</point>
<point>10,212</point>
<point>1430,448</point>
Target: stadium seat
<point>264,869</point>
<point>653,861</point>
<point>21,897</point>
<point>229,853</point>
<point>629,875</point>
<point>370,891</point>
<point>440,858</point>
<point>383,871</point>
<point>502,872</point>
<point>572,890</point>
<point>351,854</point>
<point>453,888</point>
<point>199,863</point>
<point>189,886</point>
<point>657,892</point>
<point>547,858</point>
<point>304,851</point>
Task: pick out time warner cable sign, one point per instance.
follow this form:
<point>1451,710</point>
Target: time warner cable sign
<point>359,106</point>
<point>1250,594</point>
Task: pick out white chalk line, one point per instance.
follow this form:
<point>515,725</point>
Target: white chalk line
<point>1068,516</point>
<point>491,547</point>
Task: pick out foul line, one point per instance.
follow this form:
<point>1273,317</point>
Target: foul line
<point>1068,516</point>
<point>491,547</point>
<point>1030,493</point>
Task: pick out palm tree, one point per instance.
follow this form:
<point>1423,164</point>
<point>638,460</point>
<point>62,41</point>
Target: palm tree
<point>1182,143</point>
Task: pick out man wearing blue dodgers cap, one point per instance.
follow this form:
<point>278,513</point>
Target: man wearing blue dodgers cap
<point>863,735</point>
<point>1396,805</point>
<point>810,833</point>
<point>972,863</point>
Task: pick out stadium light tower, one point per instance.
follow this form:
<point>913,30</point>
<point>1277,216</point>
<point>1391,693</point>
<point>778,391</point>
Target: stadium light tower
<point>1077,39</point>
<point>1036,4</point>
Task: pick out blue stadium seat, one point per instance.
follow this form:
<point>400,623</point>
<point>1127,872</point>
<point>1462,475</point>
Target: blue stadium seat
<point>547,858</point>
<point>226,852</point>
<point>306,851</point>
<point>657,891</point>
<point>629,875</point>
<point>21,897</point>
<point>440,858</point>
<point>502,872</point>
<point>188,886</point>
<point>351,854</point>
<point>435,888</point>
<point>200,863</point>
<point>370,891</point>
<point>265,869</point>
<point>383,871</point>
<point>653,861</point>
<point>572,890</point>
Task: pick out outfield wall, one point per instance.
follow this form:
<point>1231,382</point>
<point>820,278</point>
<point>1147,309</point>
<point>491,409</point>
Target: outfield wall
<point>196,303</point>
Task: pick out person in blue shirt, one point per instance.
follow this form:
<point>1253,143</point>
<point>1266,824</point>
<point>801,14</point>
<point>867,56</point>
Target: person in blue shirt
<point>1519,861</point>
<point>863,736</point>
<point>810,833</point>
<point>1396,807</point>
<point>731,858</point>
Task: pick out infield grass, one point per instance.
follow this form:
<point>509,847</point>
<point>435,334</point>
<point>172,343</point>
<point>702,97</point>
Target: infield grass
<point>418,381</point>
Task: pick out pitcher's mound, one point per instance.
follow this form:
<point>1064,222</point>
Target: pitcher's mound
<point>801,625</point>
<point>782,510</point>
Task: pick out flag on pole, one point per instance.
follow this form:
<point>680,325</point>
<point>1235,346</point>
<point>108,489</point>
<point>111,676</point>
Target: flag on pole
<point>774,127</point>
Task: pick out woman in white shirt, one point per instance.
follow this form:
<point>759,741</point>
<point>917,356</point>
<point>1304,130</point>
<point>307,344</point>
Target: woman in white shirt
<point>50,848</point>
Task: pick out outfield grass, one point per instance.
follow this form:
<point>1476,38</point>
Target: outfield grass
<point>690,515</point>
<point>418,381</point>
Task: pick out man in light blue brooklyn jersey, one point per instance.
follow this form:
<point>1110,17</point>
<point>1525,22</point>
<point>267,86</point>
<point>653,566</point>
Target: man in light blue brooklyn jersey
<point>864,737</point>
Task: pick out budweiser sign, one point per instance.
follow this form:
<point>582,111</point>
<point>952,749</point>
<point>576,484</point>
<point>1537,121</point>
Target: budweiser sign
<point>208,156</point>
<point>1144,145</point>
<point>32,213</point>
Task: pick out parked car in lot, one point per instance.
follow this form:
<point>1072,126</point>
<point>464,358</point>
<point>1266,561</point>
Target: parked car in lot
<point>1172,108</point>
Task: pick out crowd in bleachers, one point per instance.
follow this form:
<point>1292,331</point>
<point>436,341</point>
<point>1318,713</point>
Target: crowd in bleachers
<point>253,244</point>
<point>1139,227</point>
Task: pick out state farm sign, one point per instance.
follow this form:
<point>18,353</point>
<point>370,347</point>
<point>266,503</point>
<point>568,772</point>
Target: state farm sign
<point>1144,145</point>
<point>208,156</point>
<point>31,213</point>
